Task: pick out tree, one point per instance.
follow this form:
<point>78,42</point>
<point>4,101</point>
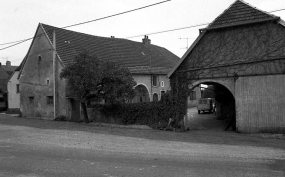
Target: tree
<point>89,77</point>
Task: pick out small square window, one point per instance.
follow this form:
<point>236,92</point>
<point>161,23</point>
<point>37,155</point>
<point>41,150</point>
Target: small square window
<point>47,82</point>
<point>31,99</point>
<point>17,88</point>
<point>50,100</point>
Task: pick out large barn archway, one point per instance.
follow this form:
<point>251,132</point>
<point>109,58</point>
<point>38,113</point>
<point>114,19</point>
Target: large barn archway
<point>216,103</point>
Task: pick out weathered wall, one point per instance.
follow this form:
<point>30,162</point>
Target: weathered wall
<point>260,103</point>
<point>13,96</point>
<point>193,103</point>
<point>36,81</point>
<point>146,81</point>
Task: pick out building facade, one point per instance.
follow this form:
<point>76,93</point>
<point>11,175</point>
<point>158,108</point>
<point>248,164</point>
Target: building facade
<point>44,94</point>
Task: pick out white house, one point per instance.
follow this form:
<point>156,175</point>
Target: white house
<point>13,88</point>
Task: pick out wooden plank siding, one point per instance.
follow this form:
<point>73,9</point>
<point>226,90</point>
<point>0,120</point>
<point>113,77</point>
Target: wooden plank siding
<point>260,103</point>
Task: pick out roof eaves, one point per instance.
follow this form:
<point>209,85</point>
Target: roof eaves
<point>186,54</point>
<point>209,26</point>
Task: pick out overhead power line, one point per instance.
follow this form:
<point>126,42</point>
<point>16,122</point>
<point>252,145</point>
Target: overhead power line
<point>116,14</point>
<point>277,10</point>
<point>121,13</point>
<point>151,33</point>
<point>168,30</point>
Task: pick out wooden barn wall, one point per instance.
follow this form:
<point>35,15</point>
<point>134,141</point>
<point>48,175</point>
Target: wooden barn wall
<point>242,44</point>
<point>260,103</point>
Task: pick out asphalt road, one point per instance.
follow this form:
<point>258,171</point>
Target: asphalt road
<point>47,148</point>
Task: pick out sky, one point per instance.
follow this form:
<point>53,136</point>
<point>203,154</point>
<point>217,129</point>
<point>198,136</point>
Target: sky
<point>19,20</point>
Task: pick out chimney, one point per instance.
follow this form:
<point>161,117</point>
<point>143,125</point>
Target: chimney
<point>8,63</point>
<point>146,41</point>
<point>112,36</point>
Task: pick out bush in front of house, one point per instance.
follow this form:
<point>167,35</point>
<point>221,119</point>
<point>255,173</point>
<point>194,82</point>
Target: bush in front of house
<point>153,114</point>
<point>147,113</point>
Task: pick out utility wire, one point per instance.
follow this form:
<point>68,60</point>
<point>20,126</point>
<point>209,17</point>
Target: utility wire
<point>116,14</point>
<point>158,32</point>
<point>121,13</point>
<point>183,28</point>
<point>168,30</point>
<point>277,10</point>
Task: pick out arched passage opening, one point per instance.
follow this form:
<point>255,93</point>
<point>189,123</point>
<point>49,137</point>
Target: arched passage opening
<point>211,105</point>
<point>142,94</point>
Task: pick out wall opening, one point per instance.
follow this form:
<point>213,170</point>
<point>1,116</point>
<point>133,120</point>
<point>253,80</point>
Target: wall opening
<point>211,106</point>
<point>142,94</point>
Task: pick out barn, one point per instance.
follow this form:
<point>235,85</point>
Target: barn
<point>242,53</point>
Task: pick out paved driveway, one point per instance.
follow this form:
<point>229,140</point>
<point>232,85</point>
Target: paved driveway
<point>47,148</point>
<point>203,121</point>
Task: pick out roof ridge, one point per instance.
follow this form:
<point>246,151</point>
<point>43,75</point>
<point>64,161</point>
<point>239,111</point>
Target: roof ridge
<point>258,8</point>
<point>115,38</point>
<point>124,51</point>
<point>234,14</point>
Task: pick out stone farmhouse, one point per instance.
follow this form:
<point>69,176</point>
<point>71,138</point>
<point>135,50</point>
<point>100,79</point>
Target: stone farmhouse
<point>44,94</point>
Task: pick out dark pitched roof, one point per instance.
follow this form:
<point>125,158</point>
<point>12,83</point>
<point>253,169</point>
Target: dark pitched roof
<point>239,13</point>
<point>125,52</point>
<point>3,73</point>
<point>9,69</point>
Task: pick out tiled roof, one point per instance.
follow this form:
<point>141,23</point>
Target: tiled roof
<point>126,52</point>
<point>240,13</point>
<point>9,69</point>
<point>3,73</point>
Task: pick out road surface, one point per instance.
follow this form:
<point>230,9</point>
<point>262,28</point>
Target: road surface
<point>37,148</point>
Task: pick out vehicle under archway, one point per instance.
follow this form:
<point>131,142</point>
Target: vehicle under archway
<point>212,106</point>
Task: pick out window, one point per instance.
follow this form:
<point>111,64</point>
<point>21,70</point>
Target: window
<point>47,82</point>
<point>17,88</point>
<point>49,100</point>
<point>31,99</point>
<point>193,95</point>
<point>162,92</point>
<point>162,84</point>
<point>154,81</point>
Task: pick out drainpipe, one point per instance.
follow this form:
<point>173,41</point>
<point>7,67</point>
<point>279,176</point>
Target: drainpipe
<point>54,78</point>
